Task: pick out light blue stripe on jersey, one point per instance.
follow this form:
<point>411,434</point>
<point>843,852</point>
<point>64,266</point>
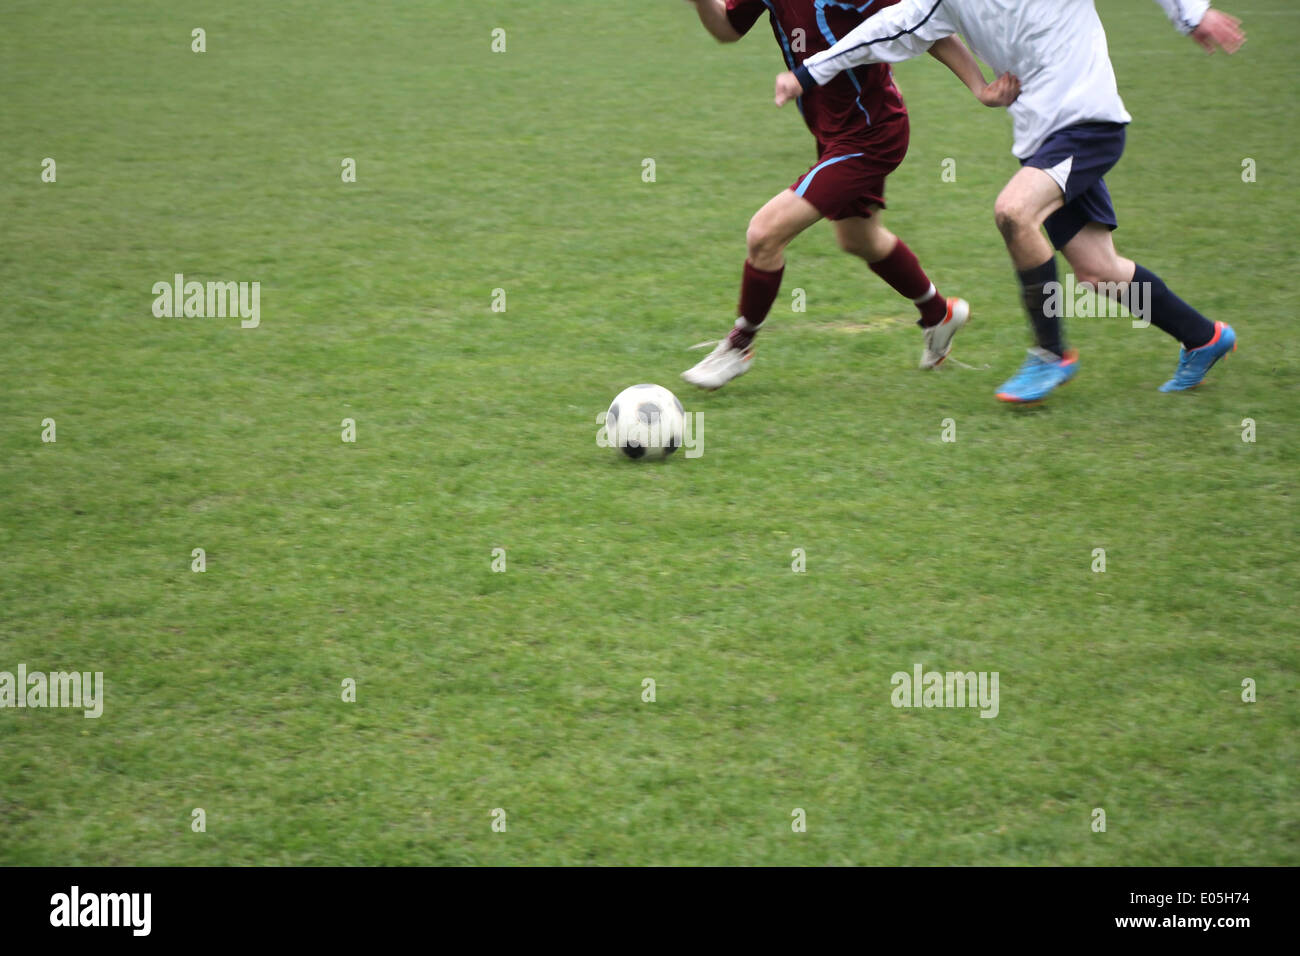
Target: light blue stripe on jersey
<point>807,180</point>
<point>785,45</point>
<point>785,40</point>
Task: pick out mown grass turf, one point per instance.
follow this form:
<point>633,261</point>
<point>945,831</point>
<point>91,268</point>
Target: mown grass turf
<point>476,430</point>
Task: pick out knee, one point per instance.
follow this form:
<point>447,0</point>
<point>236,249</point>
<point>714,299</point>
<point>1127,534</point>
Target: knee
<point>1012,216</point>
<point>760,237</point>
<point>762,242</point>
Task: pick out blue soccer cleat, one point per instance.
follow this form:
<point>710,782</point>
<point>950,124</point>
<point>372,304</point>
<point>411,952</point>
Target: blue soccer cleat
<point>1041,373</point>
<point>1193,364</point>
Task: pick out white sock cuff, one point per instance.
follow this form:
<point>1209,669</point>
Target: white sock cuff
<point>928,296</point>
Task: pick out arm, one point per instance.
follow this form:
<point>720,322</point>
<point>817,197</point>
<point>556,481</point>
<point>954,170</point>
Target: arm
<point>713,14</point>
<point>1208,27</point>
<point>953,54</point>
<point>896,33</point>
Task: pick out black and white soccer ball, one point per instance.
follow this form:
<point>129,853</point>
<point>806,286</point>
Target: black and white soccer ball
<point>645,422</point>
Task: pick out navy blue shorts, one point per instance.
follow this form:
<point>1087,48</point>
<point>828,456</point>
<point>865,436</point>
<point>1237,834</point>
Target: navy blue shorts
<point>1076,158</point>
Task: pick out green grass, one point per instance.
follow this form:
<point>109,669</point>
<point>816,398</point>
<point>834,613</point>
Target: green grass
<point>476,430</point>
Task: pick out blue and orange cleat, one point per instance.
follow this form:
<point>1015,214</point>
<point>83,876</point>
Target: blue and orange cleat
<point>1041,373</point>
<point>1194,363</point>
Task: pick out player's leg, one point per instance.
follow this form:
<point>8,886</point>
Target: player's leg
<point>1092,255</point>
<point>849,190</point>
<point>1059,189</point>
<point>890,258</point>
<point>1094,259</point>
<point>1024,205</point>
<point>770,230</point>
<point>866,236</point>
<point>1020,211</point>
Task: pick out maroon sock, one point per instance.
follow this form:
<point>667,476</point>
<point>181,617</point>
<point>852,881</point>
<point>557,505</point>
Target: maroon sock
<point>758,291</point>
<point>904,273</point>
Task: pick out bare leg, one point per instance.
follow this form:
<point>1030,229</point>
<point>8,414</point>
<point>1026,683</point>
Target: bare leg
<point>865,237</point>
<point>889,257</point>
<point>774,226</point>
<point>1091,253</point>
<point>1022,206</point>
<point>770,231</point>
<point>1092,256</point>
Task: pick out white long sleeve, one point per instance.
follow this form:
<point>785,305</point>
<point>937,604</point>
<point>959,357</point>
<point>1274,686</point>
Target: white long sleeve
<point>1186,15</point>
<point>896,33</point>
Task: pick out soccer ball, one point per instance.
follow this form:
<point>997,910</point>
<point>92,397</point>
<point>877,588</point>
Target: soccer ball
<point>645,421</point>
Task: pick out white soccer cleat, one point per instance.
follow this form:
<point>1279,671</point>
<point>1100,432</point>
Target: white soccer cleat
<point>938,338</point>
<point>720,366</point>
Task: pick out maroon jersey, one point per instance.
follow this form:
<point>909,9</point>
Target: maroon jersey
<point>845,110</point>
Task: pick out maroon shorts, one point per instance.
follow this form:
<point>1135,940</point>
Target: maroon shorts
<point>849,177</point>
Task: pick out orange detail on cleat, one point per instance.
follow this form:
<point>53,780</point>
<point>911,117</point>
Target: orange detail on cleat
<point>1218,332</point>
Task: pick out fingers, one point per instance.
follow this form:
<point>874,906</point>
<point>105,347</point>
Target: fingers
<point>1006,89</point>
<point>1219,31</point>
<point>1228,33</point>
<point>1226,21</point>
<point>787,88</point>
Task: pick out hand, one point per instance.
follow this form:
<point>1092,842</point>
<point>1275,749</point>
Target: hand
<point>1219,29</point>
<point>787,88</point>
<point>1001,92</point>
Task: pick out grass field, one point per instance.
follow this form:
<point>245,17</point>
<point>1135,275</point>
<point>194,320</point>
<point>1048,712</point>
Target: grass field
<point>475,430</point>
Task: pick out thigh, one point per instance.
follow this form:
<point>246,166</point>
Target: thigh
<point>784,216</point>
<point>1031,196</point>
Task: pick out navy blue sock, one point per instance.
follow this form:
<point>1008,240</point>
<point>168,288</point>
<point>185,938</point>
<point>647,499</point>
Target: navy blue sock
<point>1047,328</point>
<point>1167,312</point>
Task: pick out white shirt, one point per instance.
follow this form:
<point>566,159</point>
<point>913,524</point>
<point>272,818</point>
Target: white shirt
<point>1056,47</point>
